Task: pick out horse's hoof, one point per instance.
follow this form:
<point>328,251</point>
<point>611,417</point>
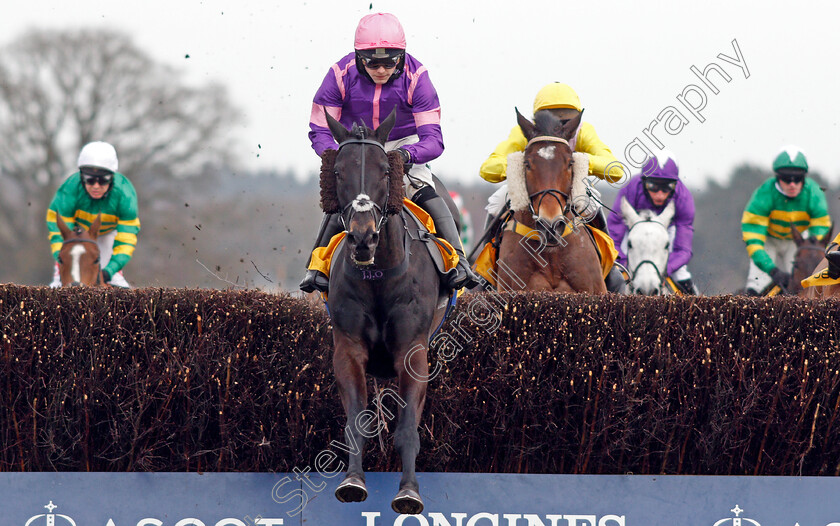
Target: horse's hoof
<point>407,502</point>
<point>351,489</point>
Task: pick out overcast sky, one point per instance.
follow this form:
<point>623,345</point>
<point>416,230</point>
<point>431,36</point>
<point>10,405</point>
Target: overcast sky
<point>628,61</point>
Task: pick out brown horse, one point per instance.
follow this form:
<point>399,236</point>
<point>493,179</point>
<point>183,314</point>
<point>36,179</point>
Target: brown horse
<point>549,247</point>
<point>385,299</point>
<point>78,259</point>
<point>809,253</point>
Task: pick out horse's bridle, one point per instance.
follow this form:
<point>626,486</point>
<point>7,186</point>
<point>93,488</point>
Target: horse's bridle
<point>383,218</point>
<point>99,278</point>
<point>565,203</point>
<point>635,269</point>
<point>800,248</point>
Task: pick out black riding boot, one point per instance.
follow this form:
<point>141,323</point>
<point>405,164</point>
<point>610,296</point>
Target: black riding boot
<point>461,276</point>
<point>832,254</point>
<point>599,221</point>
<point>615,281</point>
<point>314,279</point>
<point>687,287</point>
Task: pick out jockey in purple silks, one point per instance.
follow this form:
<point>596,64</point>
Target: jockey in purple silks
<point>653,189</point>
<point>363,87</point>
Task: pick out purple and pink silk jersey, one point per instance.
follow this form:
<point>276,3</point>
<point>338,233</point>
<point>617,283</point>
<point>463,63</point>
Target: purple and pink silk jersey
<point>351,97</point>
<point>683,219</point>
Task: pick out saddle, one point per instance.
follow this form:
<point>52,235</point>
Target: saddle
<point>419,226</point>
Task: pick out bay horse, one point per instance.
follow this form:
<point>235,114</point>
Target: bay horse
<point>809,253</point>
<point>648,244</point>
<point>807,259</point>
<point>78,259</point>
<point>385,299</point>
<point>550,247</point>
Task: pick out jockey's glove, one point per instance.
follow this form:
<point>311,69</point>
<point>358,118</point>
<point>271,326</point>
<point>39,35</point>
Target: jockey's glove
<point>780,277</point>
<point>406,158</point>
<point>105,276</point>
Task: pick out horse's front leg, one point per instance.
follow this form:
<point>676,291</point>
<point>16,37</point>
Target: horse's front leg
<point>349,362</point>
<point>412,373</point>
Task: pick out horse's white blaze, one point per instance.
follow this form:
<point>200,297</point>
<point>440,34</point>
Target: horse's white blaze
<point>546,152</point>
<point>362,203</point>
<point>76,266</point>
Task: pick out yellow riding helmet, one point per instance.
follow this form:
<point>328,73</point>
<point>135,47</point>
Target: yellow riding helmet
<point>557,95</point>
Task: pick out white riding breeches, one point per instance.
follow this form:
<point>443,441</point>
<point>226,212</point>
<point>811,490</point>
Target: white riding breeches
<point>420,175</point>
<point>782,252</point>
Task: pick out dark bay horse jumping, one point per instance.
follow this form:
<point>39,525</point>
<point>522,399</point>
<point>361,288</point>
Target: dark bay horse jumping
<point>550,247</point>
<point>78,259</point>
<point>385,299</point>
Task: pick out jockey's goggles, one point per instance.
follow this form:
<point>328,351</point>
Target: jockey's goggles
<point>96,175</point>
<point>388,62</point>
<point>791,178</point>
<point>660,186</point>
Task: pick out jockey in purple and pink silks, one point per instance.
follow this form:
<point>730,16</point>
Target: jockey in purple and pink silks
<point>363,87</point>
<point>653,189</point>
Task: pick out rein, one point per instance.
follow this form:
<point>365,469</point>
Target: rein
<point>565,203</point>
<point>800,248</point>
<point>99,279</point>
<point>662,277</point>
<point>372,274</point>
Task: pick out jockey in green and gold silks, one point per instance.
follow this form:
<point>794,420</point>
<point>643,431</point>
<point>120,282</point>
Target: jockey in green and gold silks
<point>787,200</point>
<point>97,188</point>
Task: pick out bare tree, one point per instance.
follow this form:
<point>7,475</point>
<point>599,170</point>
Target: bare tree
<point>61,90</point>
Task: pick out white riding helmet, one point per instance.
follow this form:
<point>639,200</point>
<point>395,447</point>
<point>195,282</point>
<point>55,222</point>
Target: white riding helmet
<point>100,155</point>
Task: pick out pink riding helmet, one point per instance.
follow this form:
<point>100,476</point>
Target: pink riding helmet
<point>379,30</point>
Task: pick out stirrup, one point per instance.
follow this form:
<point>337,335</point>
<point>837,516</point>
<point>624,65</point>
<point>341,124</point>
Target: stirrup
<point>462,277</point>
<point>314,280</point>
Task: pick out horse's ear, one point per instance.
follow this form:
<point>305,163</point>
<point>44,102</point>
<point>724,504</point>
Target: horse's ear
<point>339,132</point>
<point>62,226</point>
<point>668,214</point>
<point>571,126</point>
<point>527,127</point>
<point>387,125</point>
<point>631,217</point>
<point>796,235</point>
<point>94,227</point>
